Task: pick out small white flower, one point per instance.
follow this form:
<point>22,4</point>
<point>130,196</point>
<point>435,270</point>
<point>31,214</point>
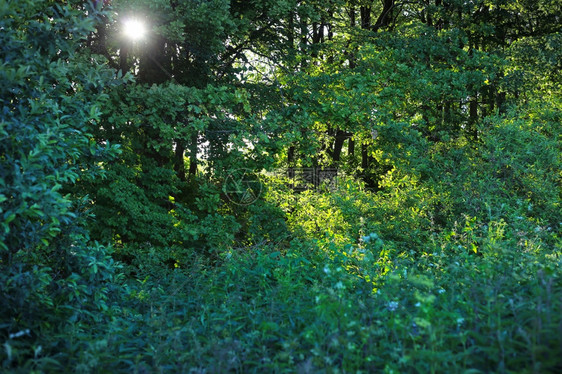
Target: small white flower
<point>441,290</point>
<point>326,269</point>
<point>418,304</point>
<point>460,321</point>
<point>392,306</point>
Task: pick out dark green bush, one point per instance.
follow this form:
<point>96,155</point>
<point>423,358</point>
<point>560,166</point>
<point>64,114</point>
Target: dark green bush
<point>50,272</point>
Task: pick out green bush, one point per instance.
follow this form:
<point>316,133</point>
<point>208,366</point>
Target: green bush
<point>50,272</point>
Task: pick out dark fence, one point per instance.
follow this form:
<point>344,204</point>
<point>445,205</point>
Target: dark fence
<point>302,179</point>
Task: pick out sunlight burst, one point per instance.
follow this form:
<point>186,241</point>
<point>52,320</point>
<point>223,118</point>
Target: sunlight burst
<point>134,29</point>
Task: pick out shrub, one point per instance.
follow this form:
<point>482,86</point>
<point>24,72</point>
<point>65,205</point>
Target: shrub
<point>50,273</point>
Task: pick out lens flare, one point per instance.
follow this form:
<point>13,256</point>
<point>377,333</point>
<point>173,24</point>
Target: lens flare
<point>134,29</point>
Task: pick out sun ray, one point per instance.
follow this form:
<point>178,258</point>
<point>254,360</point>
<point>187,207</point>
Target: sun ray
<point>134,29</point>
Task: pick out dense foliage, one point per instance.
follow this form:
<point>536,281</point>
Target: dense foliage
<point>53,278</point>
<point>281,186</point>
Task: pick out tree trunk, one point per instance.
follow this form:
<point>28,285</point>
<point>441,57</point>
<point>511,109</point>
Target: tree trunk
<point>365,17</point>
<point>123,55</point>
<point>303,42</point>
<point>291,37</point>
<point>351,146</point>
<point>154,67</point>
<point>193,154</point>
<point>500,100</point>
<point>179,164</point>
<point>385,18</point>
<point>364,157</point>
<point>338,145</point>
<point>473,117</point>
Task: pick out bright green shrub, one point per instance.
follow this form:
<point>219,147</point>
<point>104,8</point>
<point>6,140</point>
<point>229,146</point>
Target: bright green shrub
<point>401,213</point>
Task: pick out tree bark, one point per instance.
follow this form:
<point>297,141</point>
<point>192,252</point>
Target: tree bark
<point>193,154</point>
<point>473,116</point>
<point>338,145</point>
<point>364,157</point>
<point>365,17</point>
<point>385,18</point>
<point>123,55</point>
<point>179,164</point>
<point>351,146</point>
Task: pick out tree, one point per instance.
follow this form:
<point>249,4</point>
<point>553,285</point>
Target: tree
<point>191,88</point>
<point>226,84</point>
